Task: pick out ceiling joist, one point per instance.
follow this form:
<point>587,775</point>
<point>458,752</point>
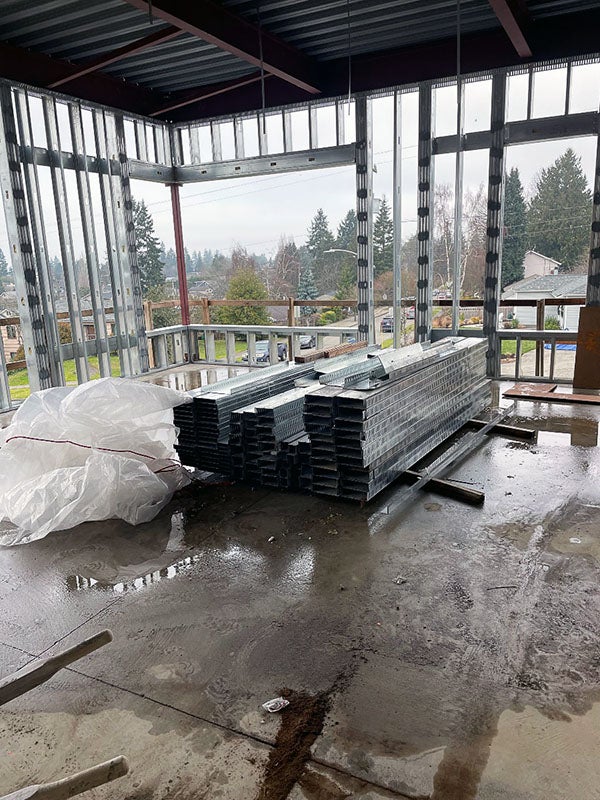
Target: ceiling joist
<point>514,18</point>
<point>231,33</point>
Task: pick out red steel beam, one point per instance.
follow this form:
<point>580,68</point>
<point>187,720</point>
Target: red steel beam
<point>513,17</point>
<point>180,253</point>
<point>216,25</point>
<point>79,70</point>
<point>204,92</point>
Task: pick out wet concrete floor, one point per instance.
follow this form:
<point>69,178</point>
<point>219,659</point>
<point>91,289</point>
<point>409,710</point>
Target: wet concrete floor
<point>456,647</point>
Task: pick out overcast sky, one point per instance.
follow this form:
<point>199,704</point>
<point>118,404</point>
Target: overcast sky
<point>256,212</point>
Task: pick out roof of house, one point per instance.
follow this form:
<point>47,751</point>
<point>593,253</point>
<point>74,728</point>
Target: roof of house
<point>563,285</point>
<point>541,255</point>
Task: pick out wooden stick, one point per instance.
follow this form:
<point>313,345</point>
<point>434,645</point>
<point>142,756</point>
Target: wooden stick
<point>74,784</point>
<point>42,669</point>
<point>511,431</point>
<point>447,488</point>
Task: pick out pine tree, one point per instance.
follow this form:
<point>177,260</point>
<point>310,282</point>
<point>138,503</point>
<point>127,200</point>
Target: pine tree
<point>307,289</point>
<point>383,239</point>
<point>346,232</point>
<point>3,267</point>
<point>559,216</point>
<point>319,240</point>
<point>345,262</point>
<point>148,248</point>
<point>514,243</point>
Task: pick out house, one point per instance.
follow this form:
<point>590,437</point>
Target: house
<point>552,289</point>
<point>536,265</point>
<point>10,335</point>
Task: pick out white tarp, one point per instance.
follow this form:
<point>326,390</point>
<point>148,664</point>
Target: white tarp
<point>101,450</point>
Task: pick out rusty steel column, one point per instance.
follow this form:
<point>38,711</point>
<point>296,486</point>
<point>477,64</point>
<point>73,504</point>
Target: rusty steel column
<point>180,252</point>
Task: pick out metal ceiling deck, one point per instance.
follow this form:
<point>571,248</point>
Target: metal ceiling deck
<point>78,31</point>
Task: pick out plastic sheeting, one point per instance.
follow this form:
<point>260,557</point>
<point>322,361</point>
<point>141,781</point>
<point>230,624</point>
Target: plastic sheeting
<point>101,450</point>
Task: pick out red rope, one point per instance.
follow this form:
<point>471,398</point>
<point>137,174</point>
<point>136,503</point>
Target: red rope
<point>91,447</point>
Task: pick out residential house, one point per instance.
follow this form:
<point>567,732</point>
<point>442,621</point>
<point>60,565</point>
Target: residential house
<point>552,289</point>
<point>10,335</point>
<point>536,265</point>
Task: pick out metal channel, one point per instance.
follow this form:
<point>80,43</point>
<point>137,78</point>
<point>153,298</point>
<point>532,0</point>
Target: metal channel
<point>215,132</point>
<point>397,216</point>
<point>288,145</point>
<point>195,145</point>
<point>131,271</point>
<point>89,240</point>
<point>424,216</point>
<point>141,145</point>
<point>38,233</point>
<point>495,216</point>
<point>238,138</point>
<point>364,216</point>
<point>593,282</point>
<point>37,351</point>
<point>340,123</point>
<point>458,208</point>
<point>65,236</point>
<point>112,246</point>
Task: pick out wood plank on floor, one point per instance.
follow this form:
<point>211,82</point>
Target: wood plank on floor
<point>546,391</point>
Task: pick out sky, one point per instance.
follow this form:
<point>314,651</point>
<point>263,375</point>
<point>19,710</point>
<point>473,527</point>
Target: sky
<point>256,212</point>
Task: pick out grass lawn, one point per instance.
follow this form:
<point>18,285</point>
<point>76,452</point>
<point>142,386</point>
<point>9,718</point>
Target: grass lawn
<point>19,380</point>
<point>220,350</point>
<point>509,347</point>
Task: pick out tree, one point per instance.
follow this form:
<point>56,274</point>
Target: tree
<point>245,285</point>
<point>3,268</point>
<point>307,289</point>
<point>559,216</point>
<point>383,239</point>
<point>319,240</point>
<point>346,263</point>
<point>285,269</point>
<point>148,248</point>
<point>514,243</point>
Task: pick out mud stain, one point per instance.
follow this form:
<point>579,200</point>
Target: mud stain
<point>320,787</point>
<point>301,724</point>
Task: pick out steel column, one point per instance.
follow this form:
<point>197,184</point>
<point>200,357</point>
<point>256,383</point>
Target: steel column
<point>364,216</point>
<point>65,237</point>
<point>424,216</point>
<point>495,216</point>
<point>593,284</point>
<point>35,340</point>
<point>397,215</point>
<point>458,206</point>
<point>133,271</point>
<point>180,252</point>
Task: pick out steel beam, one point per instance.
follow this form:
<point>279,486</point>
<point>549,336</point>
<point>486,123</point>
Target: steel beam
<point>424,216</point>
<point>190,96</point>
<point>79,70</point>
<point>364,217</point>
<point>35,340</point>
<point>593,285</point>
<point>495,216</point>
<point>214,24</point>
<point>513,18</point>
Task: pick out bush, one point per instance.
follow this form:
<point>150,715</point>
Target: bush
<point>552,324</point>
<point>328,317</point>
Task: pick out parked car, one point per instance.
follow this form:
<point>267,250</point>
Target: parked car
<point>387,325</point>
<point>307,341</point>
<point>262,352</point>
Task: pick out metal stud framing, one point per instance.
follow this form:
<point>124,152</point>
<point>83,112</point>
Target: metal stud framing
<point>424,216</point>
<point>37,350</point>
<point>495,214</point>
<point>593,286</point>
<point>458,205</point>
<point>397,215</point>
<point>364,216</point>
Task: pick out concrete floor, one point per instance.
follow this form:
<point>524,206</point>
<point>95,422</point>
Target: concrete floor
<point>456,647</point>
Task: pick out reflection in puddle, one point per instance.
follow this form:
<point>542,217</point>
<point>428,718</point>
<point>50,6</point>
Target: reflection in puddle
<point>77,583</point>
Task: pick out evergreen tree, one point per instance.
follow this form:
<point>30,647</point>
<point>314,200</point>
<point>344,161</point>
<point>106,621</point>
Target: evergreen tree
<point>383,239</point>
<point>559,216</point>
<point>319,240</point>
<point>307,289</point>
<point>514,244</point>
<point>148,248</point>
<point>346,232</point>
<point>3,268</point>
<point>245,285</point>
<point>346,263</point>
